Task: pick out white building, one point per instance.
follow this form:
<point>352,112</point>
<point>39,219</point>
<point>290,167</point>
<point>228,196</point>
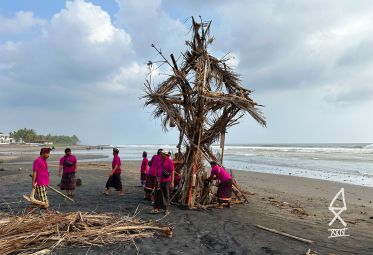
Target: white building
<point>5,139</point>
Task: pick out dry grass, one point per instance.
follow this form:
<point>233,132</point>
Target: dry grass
<point>48,231</point>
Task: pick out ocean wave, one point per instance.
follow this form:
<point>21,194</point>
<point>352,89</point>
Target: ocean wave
<point>369,146</point>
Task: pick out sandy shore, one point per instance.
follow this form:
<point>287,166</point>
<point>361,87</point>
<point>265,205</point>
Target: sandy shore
<point>216,231</point>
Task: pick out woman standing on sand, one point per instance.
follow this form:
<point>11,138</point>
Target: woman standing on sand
<point>165,181</point>
<point>114,175</point>
<point>67,169</point>
<point>225,183</point>
<point>151,176</point>
<point>144,168</point>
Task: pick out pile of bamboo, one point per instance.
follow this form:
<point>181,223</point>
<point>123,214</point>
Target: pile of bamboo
<point>202,97</point>
<point>48,231</point>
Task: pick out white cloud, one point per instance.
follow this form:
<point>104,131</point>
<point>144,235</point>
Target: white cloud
<point>22,22</point>
<point>149,24</point>
<point>85,63</point>
<point>78,48</point>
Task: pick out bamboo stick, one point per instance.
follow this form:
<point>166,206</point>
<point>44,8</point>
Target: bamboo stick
<point>285,234</point>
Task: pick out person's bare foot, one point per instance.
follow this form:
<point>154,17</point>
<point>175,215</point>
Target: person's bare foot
<point>219,206</point>
<point>121,193</point>
<point>105,193</point>
<point>154,211</point>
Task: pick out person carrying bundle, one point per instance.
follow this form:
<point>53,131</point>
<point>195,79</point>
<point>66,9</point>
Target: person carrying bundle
<point>40,180</point>
<point>224,183</point>
<point>67,169</point>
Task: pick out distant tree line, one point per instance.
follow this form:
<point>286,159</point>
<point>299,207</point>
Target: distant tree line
<point>30,136</point>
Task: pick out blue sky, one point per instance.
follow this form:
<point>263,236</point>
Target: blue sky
<point>78,67</point>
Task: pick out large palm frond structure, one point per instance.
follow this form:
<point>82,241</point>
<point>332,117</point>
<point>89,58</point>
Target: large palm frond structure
<point>202,98</point>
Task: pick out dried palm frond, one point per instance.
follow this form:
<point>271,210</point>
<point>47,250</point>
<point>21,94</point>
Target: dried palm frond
<point>202,97</point>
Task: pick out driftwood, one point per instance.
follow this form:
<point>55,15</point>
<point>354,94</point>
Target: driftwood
<point>42,252</point>
<point>33,200</point>
<point>285,234</point>
<point>202,98</point>
<point>48,231</point>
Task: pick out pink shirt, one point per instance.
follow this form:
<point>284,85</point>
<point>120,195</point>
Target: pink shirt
<point>116,162</point>
<point>144,166</point>
<point>156,165</point>
<point>40,166</point>
<point>68,169</point>
<point>221,173</point>
<point>168,165</point>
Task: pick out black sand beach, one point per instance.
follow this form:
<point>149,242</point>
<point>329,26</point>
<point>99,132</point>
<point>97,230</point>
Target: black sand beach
<point>214,231</point>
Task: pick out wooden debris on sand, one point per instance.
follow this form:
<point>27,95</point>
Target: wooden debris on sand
<point>48,231</point>
<point>202,98</point>
<point>285,234</point>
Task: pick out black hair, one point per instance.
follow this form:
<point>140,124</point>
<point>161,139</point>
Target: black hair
<point>115,150</point>
<point>67,150</point>
<point>213,163</point>
<point>159,151</point>
<point>144,154</point>
<point>45,150</point>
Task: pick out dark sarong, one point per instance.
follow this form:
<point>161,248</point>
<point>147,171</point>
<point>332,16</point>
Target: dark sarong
<point>162,197</point>
<point>143,178</point>
<point>150,182</point>
<point>115,182</point>
<point>225,190</point>
<point>68,181</point>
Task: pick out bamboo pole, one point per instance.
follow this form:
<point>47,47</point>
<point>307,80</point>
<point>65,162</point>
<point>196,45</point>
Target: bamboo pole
<point>60,193</point>
<point>285,234</point>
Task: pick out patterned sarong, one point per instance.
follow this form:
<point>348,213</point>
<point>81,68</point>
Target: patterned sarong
<point>150,182</point>
<point>41,195</point>
<point>68,181</point>
<point>225,190</point>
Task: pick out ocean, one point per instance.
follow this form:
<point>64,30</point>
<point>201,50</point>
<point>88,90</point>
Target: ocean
<point>345,163</point>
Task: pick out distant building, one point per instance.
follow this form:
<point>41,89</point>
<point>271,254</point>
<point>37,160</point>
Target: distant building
<point>6,139</point>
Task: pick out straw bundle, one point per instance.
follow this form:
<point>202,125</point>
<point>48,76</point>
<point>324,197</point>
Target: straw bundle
<point>48,231</point>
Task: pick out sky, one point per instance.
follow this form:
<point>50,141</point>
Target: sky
<point>79,67</point>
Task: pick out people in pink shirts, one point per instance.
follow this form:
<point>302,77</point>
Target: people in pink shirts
<point>40,177</point>
<point>166,176</point>
<point>151,179</point>
<point>224,183</point>
<point>114,179</point>
<point>67,169</point>
<point>144,168</point>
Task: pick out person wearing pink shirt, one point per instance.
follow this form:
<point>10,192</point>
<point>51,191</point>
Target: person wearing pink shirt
<point>165,180</point>
<point>151,179</point>
<point>40,177</point>
<point>114,179</point>
<point>144,168</point>
<point>67,169</point>
<point>224,183</point>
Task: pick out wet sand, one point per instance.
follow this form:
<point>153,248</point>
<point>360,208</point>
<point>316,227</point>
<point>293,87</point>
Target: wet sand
<point>215,231</point>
